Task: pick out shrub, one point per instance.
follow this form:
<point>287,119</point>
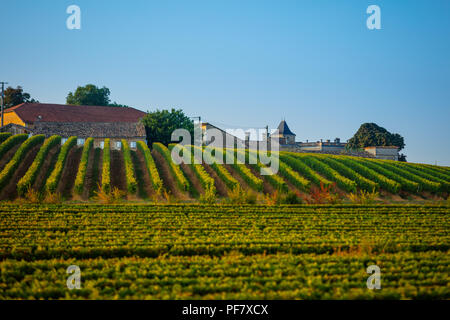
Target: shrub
<point>363,197</point>
<point>151,166</point>
<point>4,136</point>
<point>294,177</point>
<point>362,182</point>
<point>299,166</point>
<point>18,157</point>
<point>53,179</point>
<point>82,168</point>
<point>106,167</point>
<point>404,183</point>
<point>11,142</point>
<point>221,171</point>
<point>252,180</point>
<point>28,179</point>
<point>181,180</point>
<point>129,168</point>
<point>240,196</point>
<point>275,180</point>
<point>384,182</point>
<point>330,173</point>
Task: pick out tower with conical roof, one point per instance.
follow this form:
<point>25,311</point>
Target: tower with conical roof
<point>284,134</point>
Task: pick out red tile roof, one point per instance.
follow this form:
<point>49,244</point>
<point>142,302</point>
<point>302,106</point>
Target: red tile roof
<point>29,113</point>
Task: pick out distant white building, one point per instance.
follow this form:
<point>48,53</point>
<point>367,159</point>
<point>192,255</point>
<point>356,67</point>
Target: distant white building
<point>385,153</point>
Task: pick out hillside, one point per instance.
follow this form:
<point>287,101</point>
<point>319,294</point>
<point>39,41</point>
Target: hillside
<point>38,168</point>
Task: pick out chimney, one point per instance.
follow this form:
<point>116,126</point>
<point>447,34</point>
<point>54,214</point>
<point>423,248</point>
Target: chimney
<point>337,140</point>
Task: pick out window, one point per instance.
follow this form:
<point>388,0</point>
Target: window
<point>102,144</point>
<point>80,141</point>
<point>118,145</point>
<point>63,140</point>
<point>133,144</point>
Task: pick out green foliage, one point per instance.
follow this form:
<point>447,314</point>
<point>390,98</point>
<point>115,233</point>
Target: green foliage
<point>18,157</point>
<point>294,177</point>
<point>11,142</point>
<point>370,135</point>
<point>181,180</point>
<point>298,165</point>
<point>426,173</point>
<point>240,196</point>
<point>4,136</point>
<point>404,183</point>
<point>106,167</point>
<point>245,172</point>
<point>364,197</point>
<point>324,169</point>
<point>160,124</point>
<point>14,97</point>
<point>255,252</point>
<point>82,167</point>
<point>221,171</point>
<point>384,182</point>
<point>424,184</point>
<point>129,169</point>
<point>151,167</point>
<point>362,182</point>
<point>89,95</point>
<point>266,172</point>
<point>52,182</point>
<point>28,179</point>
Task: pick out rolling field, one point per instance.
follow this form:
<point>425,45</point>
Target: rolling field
<point>141,227</point>
<point>224,251</point>
<point>38,169</point>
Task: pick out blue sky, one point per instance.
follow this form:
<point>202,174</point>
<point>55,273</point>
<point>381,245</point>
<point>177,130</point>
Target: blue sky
<point>247,63</point>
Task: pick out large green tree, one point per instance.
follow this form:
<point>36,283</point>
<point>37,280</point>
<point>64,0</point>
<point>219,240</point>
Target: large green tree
<point>91,95</point>
<point>16,96</point>
<point>372,135</point>
<point>160,124</point>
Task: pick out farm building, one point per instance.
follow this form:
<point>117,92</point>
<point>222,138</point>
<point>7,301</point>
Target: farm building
<point>385,153</point>
<point>98,122</point>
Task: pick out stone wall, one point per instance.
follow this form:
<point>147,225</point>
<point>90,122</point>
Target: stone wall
<point>119,130</point>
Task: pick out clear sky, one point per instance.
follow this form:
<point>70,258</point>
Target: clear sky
<point>247,63</point>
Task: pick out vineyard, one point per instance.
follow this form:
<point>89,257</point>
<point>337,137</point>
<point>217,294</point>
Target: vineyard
<point>140,226</point>
<point>36,169</point>
<point>187,251</point>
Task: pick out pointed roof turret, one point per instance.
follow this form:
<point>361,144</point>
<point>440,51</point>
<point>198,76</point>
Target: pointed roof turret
<point>283,128</point>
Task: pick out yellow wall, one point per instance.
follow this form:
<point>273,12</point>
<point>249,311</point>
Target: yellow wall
<point>12,117</point>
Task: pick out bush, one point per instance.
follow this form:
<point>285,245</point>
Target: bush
<point>252,180</point>
<point>82,168</point>
<point>181,180</point>
<point>53,179</point>
<point>18,157</point>
<point>28,179</point>
<point>221,171</point>
<point>4,136</point>
<point>129,169</point>
<point>151,166</point>
<point>11,142</point>
<point>106,167</point>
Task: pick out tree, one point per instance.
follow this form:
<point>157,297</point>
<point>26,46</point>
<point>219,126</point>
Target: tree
<point>89,95</point>
<point>160,124</point>
<point>13,97</point>
<point>372,135</point>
